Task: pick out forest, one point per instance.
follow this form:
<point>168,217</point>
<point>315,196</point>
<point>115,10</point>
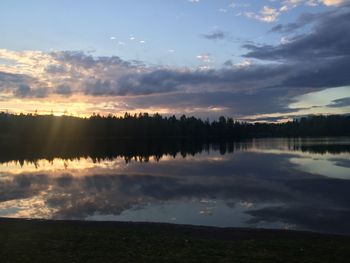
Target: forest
<point>143,125</point>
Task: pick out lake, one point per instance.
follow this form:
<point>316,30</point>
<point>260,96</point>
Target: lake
<point>301,184</point>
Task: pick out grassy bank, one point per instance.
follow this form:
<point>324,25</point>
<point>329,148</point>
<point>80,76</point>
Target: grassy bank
<point>74,241</point>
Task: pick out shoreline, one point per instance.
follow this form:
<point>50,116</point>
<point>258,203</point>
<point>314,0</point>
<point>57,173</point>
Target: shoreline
<point>35,240</point>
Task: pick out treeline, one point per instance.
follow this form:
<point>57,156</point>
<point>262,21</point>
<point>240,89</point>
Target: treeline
<point>49,127</point>
<point>141,150</point>
<point>129,149</point>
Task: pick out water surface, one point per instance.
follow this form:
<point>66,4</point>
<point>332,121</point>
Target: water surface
<point>299,184</point>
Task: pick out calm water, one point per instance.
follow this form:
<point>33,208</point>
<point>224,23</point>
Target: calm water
<point>270,183</point>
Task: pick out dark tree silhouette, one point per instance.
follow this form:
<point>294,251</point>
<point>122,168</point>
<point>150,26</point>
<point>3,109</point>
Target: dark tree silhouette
<point>50,128</point>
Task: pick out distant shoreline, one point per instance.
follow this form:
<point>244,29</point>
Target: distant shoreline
<point>33,150</point>
<point>208,231</point>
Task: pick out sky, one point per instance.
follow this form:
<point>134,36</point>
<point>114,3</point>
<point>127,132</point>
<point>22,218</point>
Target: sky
<point>266,60</point>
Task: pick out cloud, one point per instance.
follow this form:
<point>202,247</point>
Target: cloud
<point>23,91</point>
<point>63,90</point>
<point>320,58</point>
<point>276,199</point>
<point>216,103</point>
<point>327,40</point>
<point>99,87</point>
<point>216,35</point>
<point>267,14</point>
<point>19,85</point>
<point>333,2</point>
<point>314,60</point>
<point>204,57</point>
<point>302,21</point>
<point>343,102</point>
<point>56,69</point>
<point>11,79</point>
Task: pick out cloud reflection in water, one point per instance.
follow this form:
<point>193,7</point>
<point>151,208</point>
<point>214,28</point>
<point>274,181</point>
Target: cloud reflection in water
<point>275,183</point>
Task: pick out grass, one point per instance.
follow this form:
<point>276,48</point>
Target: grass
<point>76,241</point>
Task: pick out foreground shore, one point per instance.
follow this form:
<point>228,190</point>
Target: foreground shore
<point>77,241</point>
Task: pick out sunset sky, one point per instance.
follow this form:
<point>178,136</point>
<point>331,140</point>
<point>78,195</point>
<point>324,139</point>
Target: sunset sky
<point>252,60</point>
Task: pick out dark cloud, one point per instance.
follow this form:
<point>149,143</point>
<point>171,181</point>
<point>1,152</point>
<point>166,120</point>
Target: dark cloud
<point>303,21</point>
<point>24,91</point>
<point>41,92</point>
<point>216,35</point>
<point>80,59</point>
<point>100,88</point>
<point>157,81</point>
<point>10,81</point>
<point>56,69</point>
<point>228,63</point>
<point>307,19</point>
<point>163,81</point>
<point>320,74</point>
<point>319,58</point>
<point>10,77</point>
<point>328,39</point>
<point>63,90</point>
<point>22,186</point>
<point>234,103</point>
<point>343,102</point>
<point>20,86</point>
